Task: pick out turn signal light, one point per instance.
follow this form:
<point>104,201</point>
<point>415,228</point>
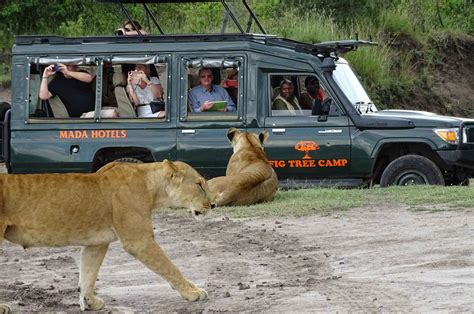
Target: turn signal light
<point>448,135</point>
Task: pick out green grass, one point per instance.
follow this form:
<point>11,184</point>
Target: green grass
<point>324,201</point>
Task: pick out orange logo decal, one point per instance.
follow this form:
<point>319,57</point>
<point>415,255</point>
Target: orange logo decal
<point>92,134</point>
<point>306,146</point>
<point>307,161</point>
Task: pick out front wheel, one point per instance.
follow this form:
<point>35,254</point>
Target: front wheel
<point>411,170</point>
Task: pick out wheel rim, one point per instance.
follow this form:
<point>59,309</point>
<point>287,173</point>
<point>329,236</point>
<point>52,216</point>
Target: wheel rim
<point>411,177</point>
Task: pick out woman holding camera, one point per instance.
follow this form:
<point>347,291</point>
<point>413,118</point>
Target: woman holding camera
<point>145,92</point>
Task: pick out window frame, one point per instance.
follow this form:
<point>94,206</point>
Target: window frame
<point>324,86</point>
<point>188,116</point>
<point>42,62</point>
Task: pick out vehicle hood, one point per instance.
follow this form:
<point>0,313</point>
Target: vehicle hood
<point>420,118</point>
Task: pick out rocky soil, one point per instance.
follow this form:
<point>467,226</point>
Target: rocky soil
<point>365,259</point>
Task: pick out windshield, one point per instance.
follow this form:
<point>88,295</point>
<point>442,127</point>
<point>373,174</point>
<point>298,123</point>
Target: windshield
<point>350,85</point>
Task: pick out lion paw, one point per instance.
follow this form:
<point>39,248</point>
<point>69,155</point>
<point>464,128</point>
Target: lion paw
<point>193,293</point>
<point>91,303</point>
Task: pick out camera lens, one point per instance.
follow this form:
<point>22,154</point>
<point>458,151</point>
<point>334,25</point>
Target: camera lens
<point>119,32</point>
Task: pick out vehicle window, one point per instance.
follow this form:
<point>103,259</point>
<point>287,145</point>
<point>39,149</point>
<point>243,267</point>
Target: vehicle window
<point>296,94</point>
<point>134,90</point>
<point>61,89</point>
<point>66,89</point>
<point>213,89</point>
<point>352,88</point>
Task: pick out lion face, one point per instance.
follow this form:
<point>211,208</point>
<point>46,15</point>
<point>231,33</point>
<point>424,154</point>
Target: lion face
<point>187,188</point>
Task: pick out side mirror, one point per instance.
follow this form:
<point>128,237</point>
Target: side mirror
<point>326,106</point>
<point>328,65</point>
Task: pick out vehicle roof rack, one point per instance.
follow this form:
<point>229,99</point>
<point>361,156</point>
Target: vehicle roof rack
<point>325,49</point>
<point>328,48</point>
<point>225,3</point>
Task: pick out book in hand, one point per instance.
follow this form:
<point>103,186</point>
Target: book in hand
<point>218,105</point>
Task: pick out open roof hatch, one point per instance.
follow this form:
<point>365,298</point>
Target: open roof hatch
<point>229,13</point>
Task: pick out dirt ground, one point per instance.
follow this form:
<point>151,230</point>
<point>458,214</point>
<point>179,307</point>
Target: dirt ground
<point>365,259</point>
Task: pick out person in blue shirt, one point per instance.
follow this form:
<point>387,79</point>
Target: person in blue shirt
<point>201,97</point>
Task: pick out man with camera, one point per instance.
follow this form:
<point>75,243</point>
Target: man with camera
<point>145,92</point>
<point>70,85</point>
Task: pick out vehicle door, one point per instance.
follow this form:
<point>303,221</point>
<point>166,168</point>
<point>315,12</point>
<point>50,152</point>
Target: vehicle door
<point>303,144</point>
<point>202,135</point>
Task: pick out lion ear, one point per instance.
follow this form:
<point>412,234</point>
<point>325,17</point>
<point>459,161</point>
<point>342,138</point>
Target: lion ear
<point>231,133</point>
<point>263,136</point>
<point>169,168</point>
<point>171,171</point>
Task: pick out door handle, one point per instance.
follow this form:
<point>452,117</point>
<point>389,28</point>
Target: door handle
<point>188,131</point>
<point>278,131</point>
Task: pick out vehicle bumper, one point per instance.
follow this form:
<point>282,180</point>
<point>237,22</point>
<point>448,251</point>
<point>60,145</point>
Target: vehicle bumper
<point>459,158</point>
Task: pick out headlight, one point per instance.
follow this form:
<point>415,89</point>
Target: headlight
<point>450,136</point>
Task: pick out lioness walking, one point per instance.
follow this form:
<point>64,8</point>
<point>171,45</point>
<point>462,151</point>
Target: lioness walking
<point>93,210</point>
<point>249,178</point>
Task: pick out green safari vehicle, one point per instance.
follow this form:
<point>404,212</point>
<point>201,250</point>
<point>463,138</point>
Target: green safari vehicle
<point>347,141</point>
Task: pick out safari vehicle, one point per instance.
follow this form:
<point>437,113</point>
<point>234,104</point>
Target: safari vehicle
<point>349,143</point>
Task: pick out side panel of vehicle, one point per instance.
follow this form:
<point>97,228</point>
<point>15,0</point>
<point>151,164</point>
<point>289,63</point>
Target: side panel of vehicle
<point>301,146</point>
<point>65,145</point>
<point>374,149</point>
<point>202,136</point>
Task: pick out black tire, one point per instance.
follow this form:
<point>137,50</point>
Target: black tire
<point>411,170</point>
<point>4,106</point>
<point>129,159</point>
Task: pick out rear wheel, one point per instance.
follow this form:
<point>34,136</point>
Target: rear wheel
<point>411,170</point>
<point>4,106</point>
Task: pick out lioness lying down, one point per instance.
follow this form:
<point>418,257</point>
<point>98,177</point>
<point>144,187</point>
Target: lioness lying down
<point>249,178</point>
<point>93,210</point>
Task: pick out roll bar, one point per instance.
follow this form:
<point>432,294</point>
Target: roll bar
<point>229,13</point>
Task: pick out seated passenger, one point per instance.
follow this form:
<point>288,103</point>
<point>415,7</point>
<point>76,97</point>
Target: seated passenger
<point>230,83</point>
<point>71,86</point>
<point>145,92</point>
<point>202,97</point>
<point>314,96</point>
<point>286,100</point>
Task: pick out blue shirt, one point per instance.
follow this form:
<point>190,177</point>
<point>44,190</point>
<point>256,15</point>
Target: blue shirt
<point>199,95</point>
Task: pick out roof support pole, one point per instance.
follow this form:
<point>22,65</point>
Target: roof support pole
<point>152,17</point>
<point>231,14</point>
<point>224,23</point>
<point>254,17</point>
<point>129,17</point>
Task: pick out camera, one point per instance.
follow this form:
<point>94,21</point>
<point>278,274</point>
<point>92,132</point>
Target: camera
<point>120,32</point>
<point>136,76</point>
<point>56,68</point>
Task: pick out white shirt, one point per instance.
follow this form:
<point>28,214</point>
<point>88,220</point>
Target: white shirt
<point>145,96</point>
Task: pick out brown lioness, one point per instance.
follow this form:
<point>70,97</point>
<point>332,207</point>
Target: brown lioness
<point>249,178</point>
<point>93,210</point>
